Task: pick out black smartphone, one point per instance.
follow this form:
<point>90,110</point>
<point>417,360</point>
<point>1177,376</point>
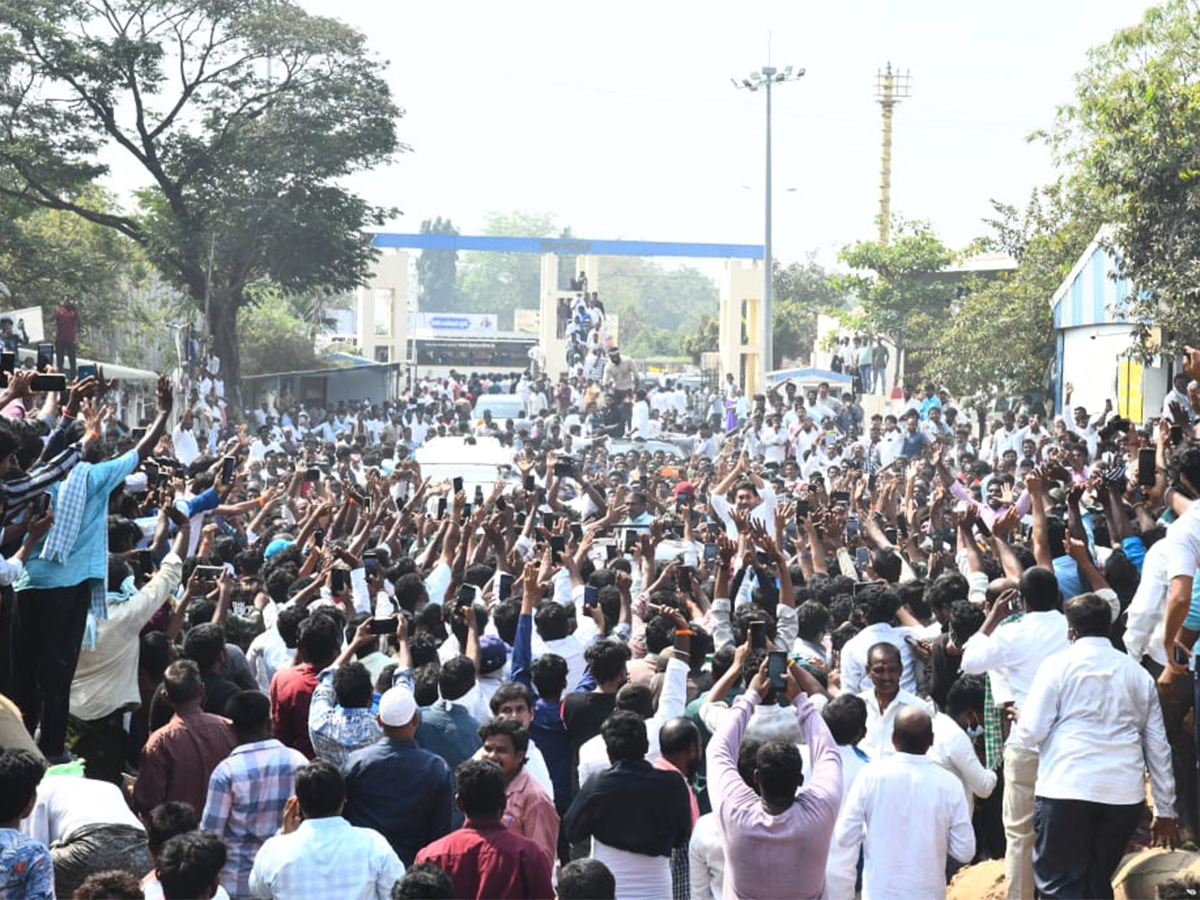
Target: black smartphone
<point>145,563</point>
<point>1181,655</point>
<point>371,563</point>
<point>548,520</point>
<point>853,526</point>
<point>591,596</point>
<point>313,474</point>
<point>558,544</point>
<point>86,370</point>
<point>631,539</point>
<point>758,635</point>
<point>479,500</point>
<point>777,666</point>
<point>504,583</point>
<point>611,552</point>
<point>337,580</point>
<point>530,483</point>
<point>457,484</point>
<point>466,594</point>
<point>1146,467</point>
<point>466,510</point>
<point>209,573</point>
<point>8,362</point>
<point>227,465</point>
<point>862,556</point>
<point>383,626</point>
<point>563,470</point>
<point>840,498</point>
<point>501,503</point>
<point>45,356</point>
<point>136,434</point>
<point>318,537</point>
<point>710,551</point>
<point>48,383</point>
<point>153,476</point>
<point>1176,435</point>
<point>441,508</point>
<point>41,505</point>
<point>803,509</point>
<point>577,531</point>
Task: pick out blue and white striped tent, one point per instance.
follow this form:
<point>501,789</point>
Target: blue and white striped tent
<point>1092,294</point>
<point>1093,336</point>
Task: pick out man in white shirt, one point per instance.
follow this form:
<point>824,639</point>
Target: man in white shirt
<point>1013,652</point>
<point>751,497</point>
<point>954,732</point>
<point>879,605</point>
<point>184,441</point>
<point>1094,715</point>
<point>908,814</point>
<point>885,700</point>
<point>316,846</point>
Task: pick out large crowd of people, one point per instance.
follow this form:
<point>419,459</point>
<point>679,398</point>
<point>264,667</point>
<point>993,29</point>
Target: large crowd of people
<point>794,650</point>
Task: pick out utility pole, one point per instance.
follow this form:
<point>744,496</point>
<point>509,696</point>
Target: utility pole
<point>890,88</point>
<point>764,78</point>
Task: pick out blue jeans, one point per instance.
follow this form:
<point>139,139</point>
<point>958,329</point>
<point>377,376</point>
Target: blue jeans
<point>864,378</point>
<point>880,380</point>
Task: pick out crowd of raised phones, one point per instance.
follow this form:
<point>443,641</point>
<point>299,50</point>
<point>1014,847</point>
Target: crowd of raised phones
<point>796,651</point>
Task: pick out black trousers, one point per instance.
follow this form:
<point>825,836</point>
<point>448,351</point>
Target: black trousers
<point>624,410</point>
<point>49,630</point>
<point>64,351</point>
<point>1078,846</point>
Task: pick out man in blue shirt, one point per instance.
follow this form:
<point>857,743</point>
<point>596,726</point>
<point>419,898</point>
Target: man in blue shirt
<point>914,441</point>
<point>65,584</point>
<point>403,792</point>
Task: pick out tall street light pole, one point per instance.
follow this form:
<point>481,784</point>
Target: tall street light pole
<point>765,78</point>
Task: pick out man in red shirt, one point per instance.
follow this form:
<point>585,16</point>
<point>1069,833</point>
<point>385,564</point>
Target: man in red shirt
<point>483,858</point>
<point>179,757</point>
<point>66,334</point>
<point>319,643</point>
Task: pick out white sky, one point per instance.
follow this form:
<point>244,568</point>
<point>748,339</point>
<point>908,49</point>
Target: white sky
<point>620,118</point>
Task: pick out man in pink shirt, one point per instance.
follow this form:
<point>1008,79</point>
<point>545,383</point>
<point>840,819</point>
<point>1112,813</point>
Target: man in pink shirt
<point>528,809</point>
<point>776,841</point>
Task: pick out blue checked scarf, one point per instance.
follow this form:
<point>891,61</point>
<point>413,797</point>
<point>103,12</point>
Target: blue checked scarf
<point>60,541</point>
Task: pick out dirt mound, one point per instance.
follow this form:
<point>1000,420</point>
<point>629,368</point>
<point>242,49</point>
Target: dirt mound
<point>983,881</point>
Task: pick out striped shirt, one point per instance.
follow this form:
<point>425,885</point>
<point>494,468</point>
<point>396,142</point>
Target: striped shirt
<point>246,795</point>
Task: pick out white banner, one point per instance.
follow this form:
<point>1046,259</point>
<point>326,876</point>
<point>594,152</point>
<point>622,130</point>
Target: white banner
<point>452,323</point>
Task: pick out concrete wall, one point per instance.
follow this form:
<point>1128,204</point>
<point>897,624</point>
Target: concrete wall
<point>1091,358</point>
<point>382,309</point>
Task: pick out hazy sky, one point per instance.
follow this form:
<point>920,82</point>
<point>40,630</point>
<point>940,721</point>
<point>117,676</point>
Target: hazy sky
<point>620,119</point>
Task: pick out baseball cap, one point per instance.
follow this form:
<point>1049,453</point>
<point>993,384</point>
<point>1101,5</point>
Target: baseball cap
<point>397,707</point>
<point>684,487</point>
<point>492,653</point>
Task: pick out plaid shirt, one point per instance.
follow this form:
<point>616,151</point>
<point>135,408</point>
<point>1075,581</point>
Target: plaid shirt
<point>993,718</point>
<point>246,796</point>
<point>337,731</point>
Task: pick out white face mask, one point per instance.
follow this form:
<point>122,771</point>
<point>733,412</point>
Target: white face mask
<point>974,731</point>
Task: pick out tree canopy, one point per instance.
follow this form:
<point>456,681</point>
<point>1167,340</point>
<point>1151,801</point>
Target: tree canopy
<point>437,270</point>
<point>899,286</point>
<point>243,116</point>
<point>1132,138</point>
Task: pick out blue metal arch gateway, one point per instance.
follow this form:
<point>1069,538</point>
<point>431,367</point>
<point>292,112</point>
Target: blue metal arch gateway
<point>564,246</point>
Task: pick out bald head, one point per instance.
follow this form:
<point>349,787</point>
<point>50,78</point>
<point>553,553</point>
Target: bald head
<point>678,736</point>
<point>913,732</point>
<point>998,586</point>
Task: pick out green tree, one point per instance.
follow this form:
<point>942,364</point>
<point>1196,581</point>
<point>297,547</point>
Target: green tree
<point>1001,336</point>
<point>904,296</point>
<point>437,271</point>
<point>273,337</point>
<point>244,116</point>
<point>705,338</point>
<point>802,291</point>
<point>502,282</point>
<point>1133,138</point>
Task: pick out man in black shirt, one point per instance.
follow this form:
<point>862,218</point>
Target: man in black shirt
<point>585,711</point>
<point>635,813</point>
